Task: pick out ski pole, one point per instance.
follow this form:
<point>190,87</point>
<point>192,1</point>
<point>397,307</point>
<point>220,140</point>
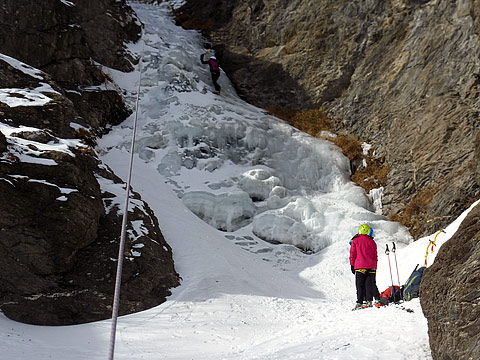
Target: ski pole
<point>390,268</point>
<point>396,263</point>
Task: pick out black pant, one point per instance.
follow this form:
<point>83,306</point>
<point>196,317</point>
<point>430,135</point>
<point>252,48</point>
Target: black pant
<point>365,283</point>
<point>215,76</point>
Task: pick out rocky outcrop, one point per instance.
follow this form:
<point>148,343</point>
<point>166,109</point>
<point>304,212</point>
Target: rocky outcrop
<point>401,75</point>
<point>61,216</point>
<point>450,294</point>
<point>60,238</point>
<point>63,37</point>
<point>68,40</point>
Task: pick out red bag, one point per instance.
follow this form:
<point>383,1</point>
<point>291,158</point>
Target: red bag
<point>387,297</point>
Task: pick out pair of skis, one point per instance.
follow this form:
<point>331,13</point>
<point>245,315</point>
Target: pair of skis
<point>393,290</point>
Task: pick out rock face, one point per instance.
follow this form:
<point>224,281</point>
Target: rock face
<point>401,75</point>
<point>450,294</point>
<point>63,39</point>
<point>60,223</point>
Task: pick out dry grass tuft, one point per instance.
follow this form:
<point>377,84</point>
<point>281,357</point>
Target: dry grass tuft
<point>372,177</point>
<point>350,146</point>
<point>312,121</point>
<point>414,213</point>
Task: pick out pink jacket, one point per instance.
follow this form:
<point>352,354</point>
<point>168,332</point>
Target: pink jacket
<point>363,253</point>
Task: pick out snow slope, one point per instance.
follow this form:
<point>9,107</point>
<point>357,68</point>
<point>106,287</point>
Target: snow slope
<point>241,297</point>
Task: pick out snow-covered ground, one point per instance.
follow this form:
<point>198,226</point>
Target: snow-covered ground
<point>247,292</point>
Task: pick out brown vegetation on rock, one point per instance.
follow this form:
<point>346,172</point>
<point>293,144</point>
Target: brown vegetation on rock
<point>311,121</point>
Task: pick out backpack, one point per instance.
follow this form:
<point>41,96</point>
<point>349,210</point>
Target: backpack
<point>412,286</point>
<point>386,296</point>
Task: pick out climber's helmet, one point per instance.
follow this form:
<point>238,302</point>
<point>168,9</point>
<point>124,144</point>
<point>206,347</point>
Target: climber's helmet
<point>364,229</point>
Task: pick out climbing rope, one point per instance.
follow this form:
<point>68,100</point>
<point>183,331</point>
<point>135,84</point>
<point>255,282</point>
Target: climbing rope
<point>118,279</point>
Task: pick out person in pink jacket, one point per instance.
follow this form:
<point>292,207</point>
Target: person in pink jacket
<point>214,70</point>
<point>363,263</point>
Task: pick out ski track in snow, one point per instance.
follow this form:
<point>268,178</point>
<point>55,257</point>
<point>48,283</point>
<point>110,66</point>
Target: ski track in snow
<point>240,297</point>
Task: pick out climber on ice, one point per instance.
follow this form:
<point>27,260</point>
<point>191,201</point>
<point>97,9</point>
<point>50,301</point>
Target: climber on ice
<point>214,69</point>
